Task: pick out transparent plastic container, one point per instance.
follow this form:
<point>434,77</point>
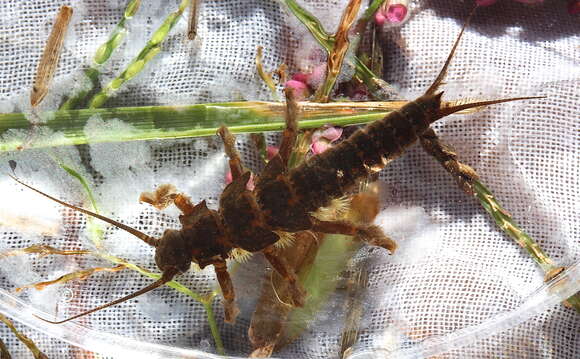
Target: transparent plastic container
<point>457,287</point>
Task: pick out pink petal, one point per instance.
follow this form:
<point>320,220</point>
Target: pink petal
<point>300,89</point>
<point>319,147</point>
<point>485,2</point>
<point>271,151</point>
<point>332,133</point>
<point>300,76</point>
<point>396,13</point>
<point>317,75</point>
<point>530,1</point>
<point>380,19</point>
<point>251,185</point>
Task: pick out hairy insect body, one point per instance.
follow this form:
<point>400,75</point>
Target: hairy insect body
<point>334,172</point>
<point>283,200</point>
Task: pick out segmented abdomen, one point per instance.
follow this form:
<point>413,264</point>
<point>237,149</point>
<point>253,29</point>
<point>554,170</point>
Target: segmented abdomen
<point>334,172</point>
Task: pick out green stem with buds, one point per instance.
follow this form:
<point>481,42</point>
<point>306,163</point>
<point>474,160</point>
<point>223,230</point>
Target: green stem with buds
<point>103,54</point>
<point>468,181</point>
<point>362,72</point>
<point>151,49</point>
<point>506,223</point>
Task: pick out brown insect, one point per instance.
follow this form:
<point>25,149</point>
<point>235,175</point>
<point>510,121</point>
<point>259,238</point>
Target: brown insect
<point>283,200</point>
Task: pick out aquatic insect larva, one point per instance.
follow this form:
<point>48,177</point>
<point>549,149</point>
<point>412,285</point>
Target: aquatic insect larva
<point>283,200</point>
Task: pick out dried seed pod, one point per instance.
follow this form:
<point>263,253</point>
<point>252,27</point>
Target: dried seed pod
<point>50,56</point>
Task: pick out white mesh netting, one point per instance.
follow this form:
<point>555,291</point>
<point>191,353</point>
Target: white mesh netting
<point>454,268</point>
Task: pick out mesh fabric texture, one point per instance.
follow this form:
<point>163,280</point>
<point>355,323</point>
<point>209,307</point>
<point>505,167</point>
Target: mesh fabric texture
<point>454,270</point>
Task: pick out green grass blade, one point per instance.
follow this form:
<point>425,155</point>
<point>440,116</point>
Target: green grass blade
<point>151,49</point>
<point>158,122</point>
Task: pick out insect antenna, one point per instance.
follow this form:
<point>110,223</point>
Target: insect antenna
<point>165,277</point>
<point>439,80</point>
<point>145,238</point>
<point>449,109</point>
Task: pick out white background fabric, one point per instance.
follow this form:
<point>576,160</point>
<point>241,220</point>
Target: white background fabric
<point>454,269</point>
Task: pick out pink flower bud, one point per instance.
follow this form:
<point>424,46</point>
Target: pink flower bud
<point>319,147</point>
<point>300,76</point>
<point>331,133</point>
<point>317,75</point>
<point>396,13</point>
<point>249,186</point>
<point>271,151</point>
<point>380,19</point>
<point>300,89</point>
<point>392,12</point>
<point>322,138</point>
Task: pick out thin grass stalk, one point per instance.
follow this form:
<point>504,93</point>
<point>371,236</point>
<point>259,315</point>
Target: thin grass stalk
<point>36,353</point>
<point>469,182</point>
<point>121,262</point>
<point>157,122</point>
<point>327,41</point>
<point>338,52</point>
<point>4,352</point>
<point>151,49</point>
<point>207,305</point>
<point>102,55</point>
<point>78,275</point>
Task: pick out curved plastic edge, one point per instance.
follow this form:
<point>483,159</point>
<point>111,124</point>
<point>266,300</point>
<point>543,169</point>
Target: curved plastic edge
<point>549,295</point>
<point>93,340</point>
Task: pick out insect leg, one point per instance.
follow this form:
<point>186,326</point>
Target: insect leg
<point>289,134</point>
<point>230,309</point>
<point>282,267</point>
<point>230,148</point>
<point>166,194</point>
<point>370,234</point>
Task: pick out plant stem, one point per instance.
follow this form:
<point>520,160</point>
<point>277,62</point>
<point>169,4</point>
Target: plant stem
<point>207,305</point>
<point>156,122</point>
<point>24,339</point>
<point>103,54</point>
<point>95,229</point>
<point>338,52</point>
<point>173,284</point>
<point>327,41</point>
<point>97,238</point>
<point>151,49</point>
<point>468,181</point>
